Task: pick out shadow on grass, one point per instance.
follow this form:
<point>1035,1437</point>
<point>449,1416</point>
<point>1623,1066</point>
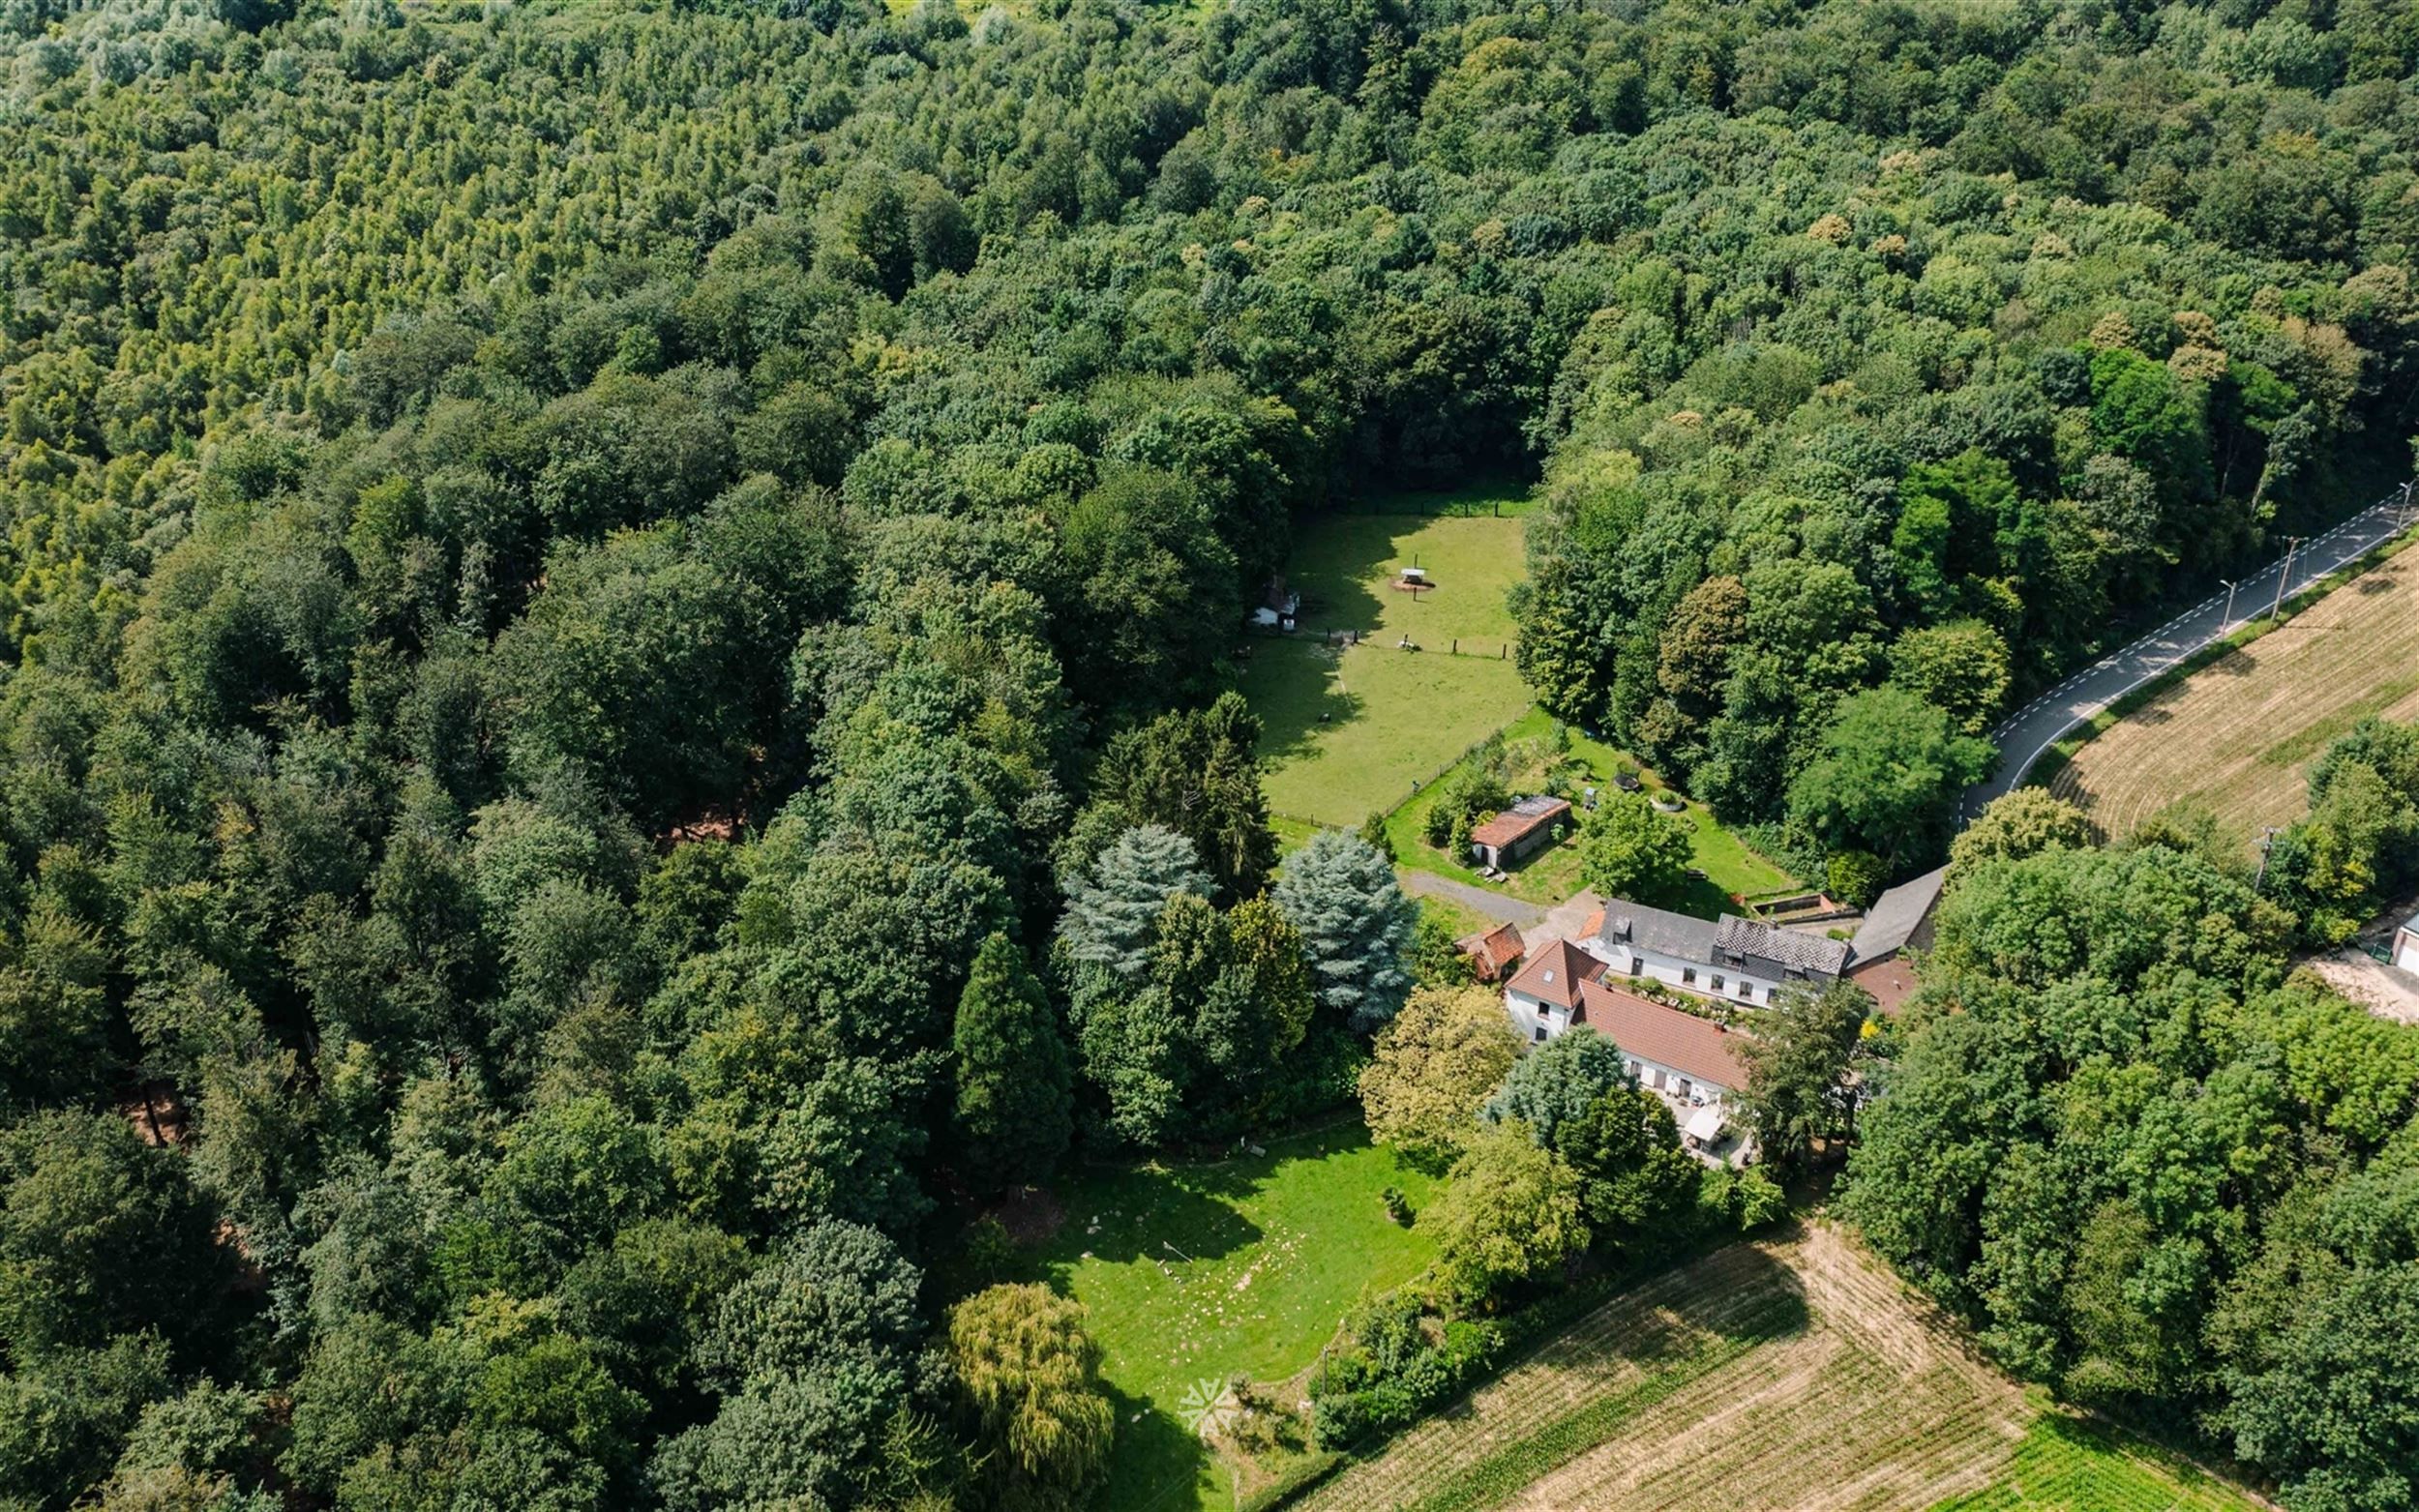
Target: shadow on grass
<point>1293,688</point>
<point>1705,900</point>
<point>1167,1217</point>
<point>1167,1212</point>
<point>1336,583</point>
<point>1154,1460</point>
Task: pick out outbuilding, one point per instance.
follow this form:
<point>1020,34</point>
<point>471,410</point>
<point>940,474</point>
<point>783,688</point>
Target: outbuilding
<point>1900,922</point>
<point>1493,954</point>
<point>1520,831</point>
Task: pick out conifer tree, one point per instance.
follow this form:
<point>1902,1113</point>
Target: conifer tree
<point>1013,1113</point>
<point>1356,927</point>
<point>1113,915</point>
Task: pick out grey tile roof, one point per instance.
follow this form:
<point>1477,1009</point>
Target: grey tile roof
<point>1789,949</point>
<point>1657,929</point>
<point>1896,915</point>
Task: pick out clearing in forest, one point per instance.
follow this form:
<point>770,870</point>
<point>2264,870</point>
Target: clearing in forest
<point>1198,1272</point>
<point>2238,735</point>
<point>1392,717</point>
<point>1796,1372</point>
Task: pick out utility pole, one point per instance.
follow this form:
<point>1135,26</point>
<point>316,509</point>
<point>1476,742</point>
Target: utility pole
<point>2230,586</point>
<point>2285,575</point>
<point>2267,838</point>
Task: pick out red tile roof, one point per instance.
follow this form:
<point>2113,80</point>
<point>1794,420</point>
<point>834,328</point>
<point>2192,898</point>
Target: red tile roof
<point>1695,1048</point>
<point>1511,824</point>
<point>1553,975</point>
<point>1495,949</point>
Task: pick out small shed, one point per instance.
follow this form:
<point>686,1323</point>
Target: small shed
<point>2405,953</point>
<point>1494,954</point>
<point>1279,607</point>
<point>1520,831</point>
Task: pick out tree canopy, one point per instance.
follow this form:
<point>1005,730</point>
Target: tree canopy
<point>610,614</point>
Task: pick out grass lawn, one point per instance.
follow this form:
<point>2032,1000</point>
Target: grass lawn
<point>1281,1246</point>
<point>1349,732</point>
<point>1552,875</point>
<point>1499,497</point>
<point>1464,920</point>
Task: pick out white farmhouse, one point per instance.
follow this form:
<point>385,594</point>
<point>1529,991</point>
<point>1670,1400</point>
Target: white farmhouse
<point>1736,958</point>
<point>1693,1061</point>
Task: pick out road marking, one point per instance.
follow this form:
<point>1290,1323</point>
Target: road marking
<point>2150,661</point>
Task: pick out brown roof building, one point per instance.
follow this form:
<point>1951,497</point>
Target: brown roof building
<point>1518,831</point>
<point>1494,953</point>
<point>1552,976</point>
<point>1563,986</point>
<point>1695,1048</point>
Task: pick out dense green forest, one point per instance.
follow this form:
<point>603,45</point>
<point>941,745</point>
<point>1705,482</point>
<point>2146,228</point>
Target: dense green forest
<point>615,621</point>
<point>2152,1169</point>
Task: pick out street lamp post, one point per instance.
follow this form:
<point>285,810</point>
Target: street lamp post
<point>2228,619</point>
<point>2285,575</point>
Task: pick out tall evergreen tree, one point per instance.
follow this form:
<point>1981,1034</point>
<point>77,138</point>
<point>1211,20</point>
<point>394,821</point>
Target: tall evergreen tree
<point>1113,914</point>
<point>1355,926</point>
<point>1014,1114</point>
<point>1196,771</point>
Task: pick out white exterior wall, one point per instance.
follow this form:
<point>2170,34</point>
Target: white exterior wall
<point>1528,1014</point>
<point>1688,976</point>
<point>1701,1092</point>
<point>2406,949</point>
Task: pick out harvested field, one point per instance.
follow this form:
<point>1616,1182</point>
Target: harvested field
<point>1796,1374</point>
<point>2238,735</point>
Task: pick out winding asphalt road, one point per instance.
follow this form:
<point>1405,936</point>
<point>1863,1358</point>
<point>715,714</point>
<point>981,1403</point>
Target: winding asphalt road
<point>2023,737</point>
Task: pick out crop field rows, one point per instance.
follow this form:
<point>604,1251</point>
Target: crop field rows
<point>1795,1375</point>
<point>1605,1356</point>
<point>2239,734</point>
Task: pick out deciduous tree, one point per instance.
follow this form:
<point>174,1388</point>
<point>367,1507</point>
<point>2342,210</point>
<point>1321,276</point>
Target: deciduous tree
<point>1437,1062</point>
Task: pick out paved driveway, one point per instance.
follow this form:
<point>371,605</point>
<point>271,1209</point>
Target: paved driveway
<point>2023,737</point>
<point>1494,906</point>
